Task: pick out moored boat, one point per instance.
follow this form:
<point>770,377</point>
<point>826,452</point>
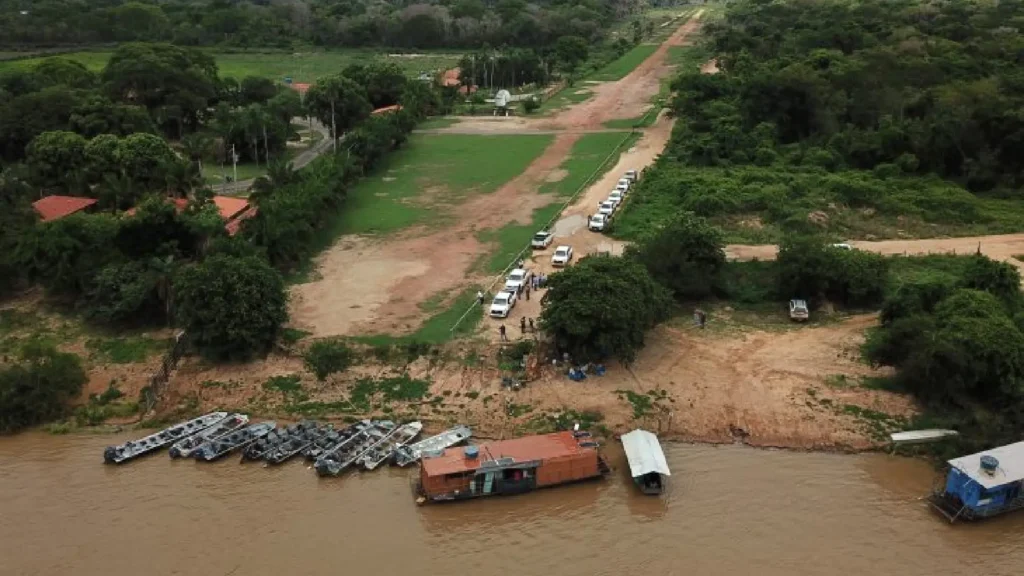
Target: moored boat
<point>349,452</point>
<point>921,436</point>
<point>184,447</point>
<point>381,452</point>
<point>646,459</point>
<point>228,443</point>
<point>135,448</point>
<point>509,467</point>
<point>277,437</point>
<point>333,440</point>
<point>405,455</point>
<point>983,484</point>
<point>296,445</point>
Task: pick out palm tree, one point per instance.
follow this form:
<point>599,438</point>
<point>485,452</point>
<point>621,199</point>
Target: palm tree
<point>117,190</point>
<point>196,146</point>
<point>163,270</point>
<point>279,173</point>
<point>182,179</point>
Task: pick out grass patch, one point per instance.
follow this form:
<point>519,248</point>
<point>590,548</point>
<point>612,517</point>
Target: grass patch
<point>437,328</point>
<point>621,67</point>
<point>125,350</point>
<point>433,171</point>
<point>300,66</point>
<point>588,156</point>
<point>292,336</point>
<point>284,384</point>
<point>564,98</point>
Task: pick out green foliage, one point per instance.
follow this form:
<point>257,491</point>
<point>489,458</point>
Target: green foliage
<point>338,102</point>
<point>811,269</point>
<point>601,308</point>
<point>126,350</point>
<point>38,387</point>
<point>685,256</point>
<point>232,308</point>
<point>325,357</point>
<point>531,105</point>
<point>53,156</point>
<point>570,51</point>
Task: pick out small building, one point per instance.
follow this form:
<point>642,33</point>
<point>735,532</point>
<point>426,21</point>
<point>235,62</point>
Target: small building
<point>232,210</point>
<point>56,207</point>
<point>510,466</point>
<point>983,484</point>
<point>647,464</point>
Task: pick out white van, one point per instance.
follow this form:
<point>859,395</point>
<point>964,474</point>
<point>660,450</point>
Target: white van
<point>597,223</point>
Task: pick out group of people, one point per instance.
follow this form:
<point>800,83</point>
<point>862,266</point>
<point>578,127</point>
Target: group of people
<point>503,333</point>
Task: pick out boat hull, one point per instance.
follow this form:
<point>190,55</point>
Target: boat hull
<point>135,448</point>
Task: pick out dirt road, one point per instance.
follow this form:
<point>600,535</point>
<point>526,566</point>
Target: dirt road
<point>370,286</point>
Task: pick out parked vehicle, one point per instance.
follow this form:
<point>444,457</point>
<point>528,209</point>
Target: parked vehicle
<point>843,246</point>
<point>607,208</point>
<point>798,310</point>
<point>542,240</point>
<point>632,175</point>
<point>562,256</point>
<point>624,182</point>
<point>622,188</point>
<point>516,278</point>
<point>135,448</point>
<point>617,196</point>
<point>503,304</point>
<point>597,223</point>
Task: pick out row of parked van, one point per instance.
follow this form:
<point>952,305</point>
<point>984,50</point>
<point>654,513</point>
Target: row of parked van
<point>606,210</point>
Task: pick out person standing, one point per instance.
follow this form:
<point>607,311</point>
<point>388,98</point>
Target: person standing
<point>480,297</point>
<point>522,325</point>
<point>501,333</point>
<point>532,329</point>
<point>527,291</point>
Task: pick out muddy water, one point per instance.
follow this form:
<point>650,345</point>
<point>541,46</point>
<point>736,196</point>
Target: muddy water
<point>730,510</point>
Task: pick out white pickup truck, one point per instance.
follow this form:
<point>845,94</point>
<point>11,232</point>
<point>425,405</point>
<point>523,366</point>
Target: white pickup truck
<point>597,223</point>
<point>542,240</point>
<point>503,304</point>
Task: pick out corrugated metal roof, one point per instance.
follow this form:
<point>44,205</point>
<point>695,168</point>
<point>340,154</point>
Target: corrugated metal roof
<point>644,453</point>
<point>1011,465</point>
<point>55,207</point>
<point>525,449</point>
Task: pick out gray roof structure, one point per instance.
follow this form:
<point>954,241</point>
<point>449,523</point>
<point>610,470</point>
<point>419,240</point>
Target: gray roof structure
<point>1010,469</point>
<point>644,453</point>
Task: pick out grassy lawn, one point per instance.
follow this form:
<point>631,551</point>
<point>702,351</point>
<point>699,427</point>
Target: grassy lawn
<point>564,98</point>
<point>618,69</point>
<point>589,160</point>
<point>300,66</point>
<point>214,173</point>
<point>437,328</point>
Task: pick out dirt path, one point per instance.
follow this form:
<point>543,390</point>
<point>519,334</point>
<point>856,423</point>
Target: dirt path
<point>1002,247</point>
<point>370,286</point>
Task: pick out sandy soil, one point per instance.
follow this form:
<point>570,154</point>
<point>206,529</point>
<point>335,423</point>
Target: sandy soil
<point>368,287</point>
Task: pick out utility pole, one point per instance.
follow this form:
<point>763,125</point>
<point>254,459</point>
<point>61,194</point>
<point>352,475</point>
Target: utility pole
<point>234,163</point>
<point>334,129</point>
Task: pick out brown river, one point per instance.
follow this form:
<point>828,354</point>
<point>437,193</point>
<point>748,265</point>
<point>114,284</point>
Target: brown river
<point>729,510</point>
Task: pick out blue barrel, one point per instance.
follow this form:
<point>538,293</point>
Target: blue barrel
<point>287,79</point>
<point>472,452</point>
<point>989,464</point>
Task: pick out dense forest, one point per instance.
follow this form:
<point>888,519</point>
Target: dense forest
<point>288,23</point>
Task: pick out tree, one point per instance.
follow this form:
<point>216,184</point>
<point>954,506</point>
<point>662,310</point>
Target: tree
<point>143,157</point>
<point>602,307</point>
<point>59,71</point>
<point>101,157</point>
<point>256,90</point>
<point>570,52</point>
<point>232,308</point>
<point>384,82</point>
<point>52,156</point>
<point>39,387</point>
<point>338,102</point>
<point>685,256</point>
<point>812,269</point>
<point>65,255</point>
<point>197,146</point>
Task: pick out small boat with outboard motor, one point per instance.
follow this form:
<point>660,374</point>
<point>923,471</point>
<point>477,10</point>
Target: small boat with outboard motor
<point>135,448</point>
<point>334,440</point>
<point>260,448</point>
<point>405,455</point>
<point>382,452</point>
<point>183,448</point>
<point>222,446</point>
<point>348,453</point>
<point>297,444</point>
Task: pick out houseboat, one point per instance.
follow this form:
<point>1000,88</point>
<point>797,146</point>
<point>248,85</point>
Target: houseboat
<point>647,463</point>
<point>509,466</point>
<point>984,484</point>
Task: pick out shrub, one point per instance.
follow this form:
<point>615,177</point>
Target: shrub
<point>685,256</point>
<point>39,387</point>
<point>530,105</point>
<point>325,357</point>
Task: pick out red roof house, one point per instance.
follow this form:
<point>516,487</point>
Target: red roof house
<point>230,207</point>
<point>386,109</point>
<point>57,207</point>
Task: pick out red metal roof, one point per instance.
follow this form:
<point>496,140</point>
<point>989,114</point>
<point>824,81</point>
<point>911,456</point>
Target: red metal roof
<point>235,225</point>
<point>300,87</point>
<point>392,108</point>
<point>542,447</point>
<point>230,207</point>
<point>55,207</point>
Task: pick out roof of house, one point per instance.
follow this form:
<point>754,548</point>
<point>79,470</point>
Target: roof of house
<point>300,87</point>
<point>230,207</point>
<point>544,447</point>
<point>1010,469</point>
<point>392,108</point>
<point>644,453</point>
<point>235,225</point>
<point>56,207</point>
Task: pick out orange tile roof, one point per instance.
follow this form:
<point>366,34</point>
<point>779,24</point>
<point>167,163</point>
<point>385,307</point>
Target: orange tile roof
<point>235,225</point>
<point>230,207</point>
<point>392,108</point>
<point>300,87</point>
<point>543,447</point>
<point>56,207</point>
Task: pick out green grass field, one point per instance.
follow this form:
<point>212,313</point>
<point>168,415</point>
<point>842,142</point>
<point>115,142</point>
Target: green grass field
<point>588,160</point>
<point>618,69</point>
<point>300,66</point>
<point>433,171</point>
